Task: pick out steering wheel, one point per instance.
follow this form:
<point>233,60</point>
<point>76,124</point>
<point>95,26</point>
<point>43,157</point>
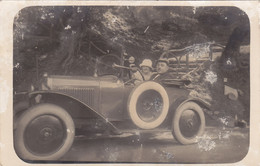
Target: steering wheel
<point>141,74</point>
<point>132,80</point>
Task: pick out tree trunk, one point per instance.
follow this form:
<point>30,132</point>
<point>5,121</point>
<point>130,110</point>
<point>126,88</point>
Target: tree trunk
<point>229,58</point>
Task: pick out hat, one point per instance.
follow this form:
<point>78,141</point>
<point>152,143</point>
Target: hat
<point>147,62</point>
<point>163,60</point>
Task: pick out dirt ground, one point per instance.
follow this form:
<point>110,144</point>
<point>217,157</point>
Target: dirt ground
<point>213,147</point>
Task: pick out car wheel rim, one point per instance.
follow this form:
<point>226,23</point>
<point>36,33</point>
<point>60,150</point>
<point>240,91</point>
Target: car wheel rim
<point>149,105</point>
<point>189,123</point>
<point>44,135</point>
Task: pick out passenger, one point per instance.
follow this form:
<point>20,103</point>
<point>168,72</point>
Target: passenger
<point>162,68</point>
<point>131,64</point>
<point>146,70</point>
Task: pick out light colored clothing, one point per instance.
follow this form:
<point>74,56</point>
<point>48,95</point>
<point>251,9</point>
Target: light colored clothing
<point>139,79</point>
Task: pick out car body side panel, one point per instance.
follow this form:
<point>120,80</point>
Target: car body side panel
<point>103,94</point>
<point>175,93</point>
<point>107,95</point>
<point>127,90</point>
<point>176,97</point>
<point>111,98</point>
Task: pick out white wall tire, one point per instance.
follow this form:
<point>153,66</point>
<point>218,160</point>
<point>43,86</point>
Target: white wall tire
<point>148,105</point>
<point>188,123</point>
<point>52,139</point>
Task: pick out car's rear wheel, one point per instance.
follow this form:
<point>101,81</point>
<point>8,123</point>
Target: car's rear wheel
<point>148,105</point>
<point>44,132</point>
<point>188,123</point>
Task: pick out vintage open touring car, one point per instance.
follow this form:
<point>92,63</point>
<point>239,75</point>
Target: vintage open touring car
<point>45,121</point>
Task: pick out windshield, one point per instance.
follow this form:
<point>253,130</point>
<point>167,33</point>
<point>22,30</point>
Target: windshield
<point>104,65</point>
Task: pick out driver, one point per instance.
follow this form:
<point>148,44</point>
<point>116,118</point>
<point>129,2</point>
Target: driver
<point>162,68</point>
<point>146,71</point>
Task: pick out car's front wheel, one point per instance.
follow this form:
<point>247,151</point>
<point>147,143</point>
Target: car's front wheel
<point>188,123</point>
<point>44,132</point>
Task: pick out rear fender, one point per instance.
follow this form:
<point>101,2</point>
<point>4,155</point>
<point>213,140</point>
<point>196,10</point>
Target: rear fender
<point>200,102</point>
<point>182,100</point>
<point>76,108</point>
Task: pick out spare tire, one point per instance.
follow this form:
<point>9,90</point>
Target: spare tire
<point>148,105</point>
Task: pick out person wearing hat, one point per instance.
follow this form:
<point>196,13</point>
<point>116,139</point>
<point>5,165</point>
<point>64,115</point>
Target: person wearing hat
<point>146,70</point>
<point>162,68</point>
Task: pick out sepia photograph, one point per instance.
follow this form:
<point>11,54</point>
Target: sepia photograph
<point>131,84</point>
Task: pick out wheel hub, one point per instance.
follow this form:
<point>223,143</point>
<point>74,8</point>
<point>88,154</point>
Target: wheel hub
<point>46,132</point>
<point>189,123</point>
<point>149,105</point>
<point>44,135</point>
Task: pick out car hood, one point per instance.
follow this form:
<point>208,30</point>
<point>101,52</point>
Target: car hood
<point>58,81</point>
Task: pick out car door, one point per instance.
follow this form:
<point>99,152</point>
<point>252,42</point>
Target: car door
<point>111,98</point>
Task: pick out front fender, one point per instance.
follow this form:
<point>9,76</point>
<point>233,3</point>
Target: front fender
<point>20,102</point>
<point>76,108</point>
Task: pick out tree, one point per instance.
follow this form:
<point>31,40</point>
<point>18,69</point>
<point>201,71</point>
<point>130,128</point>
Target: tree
<point>68,39</point>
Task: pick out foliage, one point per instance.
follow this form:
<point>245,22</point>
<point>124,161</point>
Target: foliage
<point>67,40</point>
